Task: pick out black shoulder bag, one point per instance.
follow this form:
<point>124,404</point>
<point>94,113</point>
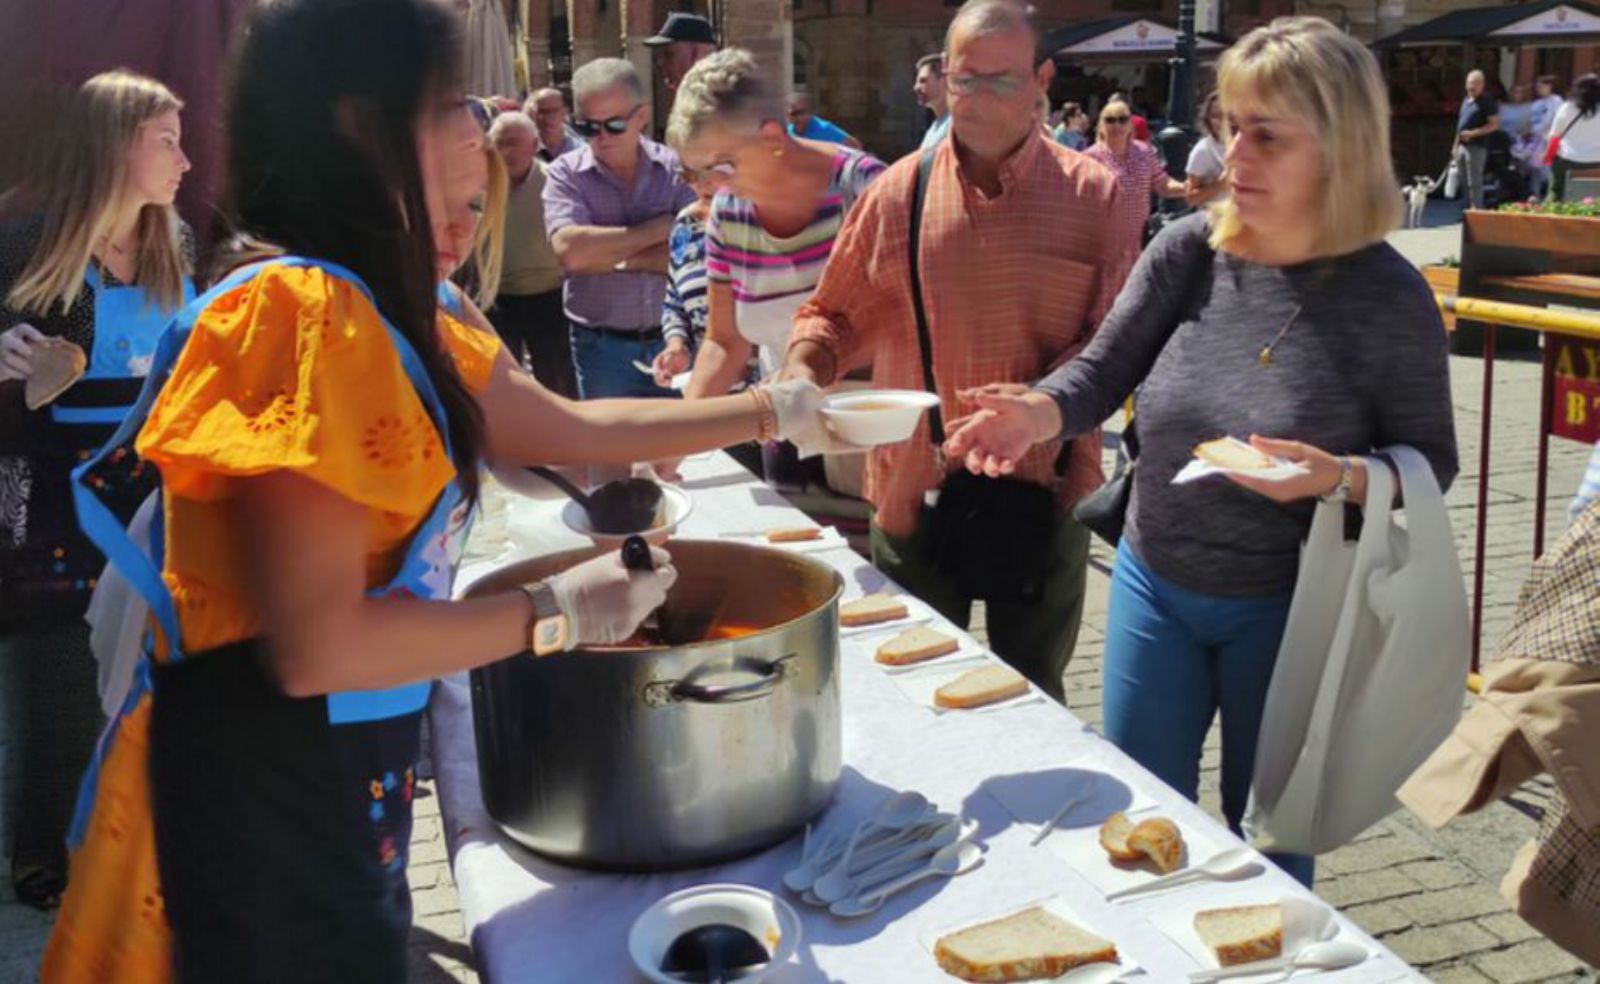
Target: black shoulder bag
<point>990,536</point>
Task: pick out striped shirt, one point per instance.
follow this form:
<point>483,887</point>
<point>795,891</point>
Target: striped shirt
<point>1137,171</point>
<point>1013,285</point>
<point>771,277</point>
<point>684,312</point>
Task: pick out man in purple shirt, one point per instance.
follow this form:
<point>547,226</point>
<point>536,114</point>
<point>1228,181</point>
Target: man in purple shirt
<point>608,209</point>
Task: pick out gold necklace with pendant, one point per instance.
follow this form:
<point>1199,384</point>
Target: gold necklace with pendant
<point>1265,356</point>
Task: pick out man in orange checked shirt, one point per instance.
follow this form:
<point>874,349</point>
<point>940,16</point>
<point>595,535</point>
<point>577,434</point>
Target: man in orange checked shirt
<point>1016,269</point>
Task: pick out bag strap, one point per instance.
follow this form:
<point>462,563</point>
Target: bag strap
<point>919,194</point>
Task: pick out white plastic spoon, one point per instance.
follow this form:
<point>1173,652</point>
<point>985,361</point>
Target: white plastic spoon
<point>1327,955</point>
<point>953,860</point>
<point>1222,866</point>
<point>901,811</point>
<point>1095,973</point>
<point>841,883</point>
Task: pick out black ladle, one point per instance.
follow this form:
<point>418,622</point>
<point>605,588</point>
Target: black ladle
<point>673,628</point>
<point>715,952</point>
<point>627,505</point>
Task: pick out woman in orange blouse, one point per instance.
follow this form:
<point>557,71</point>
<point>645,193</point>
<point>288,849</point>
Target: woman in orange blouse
<point>319,437</point>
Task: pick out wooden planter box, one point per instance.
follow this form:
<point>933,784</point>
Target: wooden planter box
<point>1444,280</point>
<point>1549,233</point>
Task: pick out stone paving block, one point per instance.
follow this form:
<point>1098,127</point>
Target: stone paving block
<point>1371,886</point>
<point>429,851</point>
<point>1535,960</point>
<point>1434,875</point>
<point>1452,904</point>
<point>1379,918</point>
<point>1436,944</point>
<point>420,876</point>
<point>1387,851</point>
<point>1459,973</point>
<point>439,900</point>
<point>1509,927</point>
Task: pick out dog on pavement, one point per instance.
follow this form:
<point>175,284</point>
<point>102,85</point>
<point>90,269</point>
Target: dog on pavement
<point>1416,195</point>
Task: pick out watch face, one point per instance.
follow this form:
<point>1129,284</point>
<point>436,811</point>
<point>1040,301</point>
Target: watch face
<point>549,636</point>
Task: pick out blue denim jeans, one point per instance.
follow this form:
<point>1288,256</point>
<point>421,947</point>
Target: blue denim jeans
<point>604,364</point>
<point>1174,658</point>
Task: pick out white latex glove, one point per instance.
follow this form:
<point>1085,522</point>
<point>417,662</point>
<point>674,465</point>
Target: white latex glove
<point>16,351</point>
<point>604,602</point>
<point>798,404</point>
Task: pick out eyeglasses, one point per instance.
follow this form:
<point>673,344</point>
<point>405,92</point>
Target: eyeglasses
<point>721,169</point>
<point>616,125</point>
<point>1001,84</point>
<point>1116,120</point>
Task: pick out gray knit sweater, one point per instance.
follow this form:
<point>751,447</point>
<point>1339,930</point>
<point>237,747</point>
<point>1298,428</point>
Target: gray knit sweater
<point>1361,365</point>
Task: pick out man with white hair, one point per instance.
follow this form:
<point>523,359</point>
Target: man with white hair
<point>1015,270</point>
<point>1480,116</point>
<point>527,311</point>
<point>608,208</point>
<point>548,108</point>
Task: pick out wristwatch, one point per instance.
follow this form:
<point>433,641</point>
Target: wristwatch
<point>1341,491</point>
<point>549,631</point>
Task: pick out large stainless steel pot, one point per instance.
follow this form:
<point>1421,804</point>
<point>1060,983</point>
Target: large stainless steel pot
<point>678,756</point>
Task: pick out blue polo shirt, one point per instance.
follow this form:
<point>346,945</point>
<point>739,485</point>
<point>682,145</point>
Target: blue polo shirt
<point>821,129</point>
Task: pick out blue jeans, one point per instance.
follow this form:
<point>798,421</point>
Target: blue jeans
<point>1174,658</point>
<point>604,364</point>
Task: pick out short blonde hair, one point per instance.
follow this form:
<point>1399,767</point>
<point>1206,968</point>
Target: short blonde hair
<point>82,190</point>
<point>489,241</point>
<point>1304,68</point>
<point>726,88</point>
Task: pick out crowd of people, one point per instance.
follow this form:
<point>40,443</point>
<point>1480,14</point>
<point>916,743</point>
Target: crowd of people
<point>1540,136</point>
<point>319,436</point>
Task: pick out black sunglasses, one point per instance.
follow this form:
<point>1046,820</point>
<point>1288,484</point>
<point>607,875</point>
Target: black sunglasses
<point>616,125</point>
<point>1116,119</point>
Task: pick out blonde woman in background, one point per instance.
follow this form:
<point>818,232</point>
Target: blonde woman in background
<point>95,256</point>
<point>1281,316</point>
<point>1139,172</point>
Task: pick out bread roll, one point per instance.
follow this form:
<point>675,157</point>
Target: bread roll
<point>1159,840</point>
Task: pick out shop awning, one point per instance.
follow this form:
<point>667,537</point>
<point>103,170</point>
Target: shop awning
<point>1130,38</point>
<point>1552,22</point>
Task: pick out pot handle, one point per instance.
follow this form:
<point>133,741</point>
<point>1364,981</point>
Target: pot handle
<point>771,675</point>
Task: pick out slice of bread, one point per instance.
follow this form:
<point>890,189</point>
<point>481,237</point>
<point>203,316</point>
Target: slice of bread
<point>57,364</point>
<point>914,646</point>
<point>1234,455</point>
<point>981,687</point>
<point>1034,944</point>
<point>872,609</point>
<point>1242,934</point>
<point>797,535</point>
<point>1114,838</point>
<point>1159,840</point>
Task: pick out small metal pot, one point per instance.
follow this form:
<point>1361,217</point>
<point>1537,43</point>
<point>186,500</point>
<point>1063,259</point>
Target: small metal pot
<point>671,757</point>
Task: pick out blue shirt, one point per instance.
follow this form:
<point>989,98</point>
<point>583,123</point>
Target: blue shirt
<point>686,308</point>
<point>936,132</point>
<point>821,129</point>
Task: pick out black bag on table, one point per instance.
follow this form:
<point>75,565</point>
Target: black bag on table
<point>991,536</point>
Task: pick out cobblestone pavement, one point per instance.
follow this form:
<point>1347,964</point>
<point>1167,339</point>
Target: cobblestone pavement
<point>1430,895</point>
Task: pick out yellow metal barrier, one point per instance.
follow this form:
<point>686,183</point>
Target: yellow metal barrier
<point>1583,324</point>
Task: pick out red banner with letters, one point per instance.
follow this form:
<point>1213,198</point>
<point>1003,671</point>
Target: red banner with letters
<point>1574,364</point>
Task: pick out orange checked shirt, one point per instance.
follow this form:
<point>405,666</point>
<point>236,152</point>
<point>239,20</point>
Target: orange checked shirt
<point>1013,285</point>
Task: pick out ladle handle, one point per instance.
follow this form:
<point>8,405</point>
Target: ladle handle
<point>561,482</point>
<point>636,554</point>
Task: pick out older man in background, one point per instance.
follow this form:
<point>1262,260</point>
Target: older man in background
<point>608,208</point>
<point>929,90</point>
<point>805,123</point>
<point>548,108</point>
<point>1480,116</point>
<point>527,311</point>
<point>682,41</point>
<point>1015,272</point>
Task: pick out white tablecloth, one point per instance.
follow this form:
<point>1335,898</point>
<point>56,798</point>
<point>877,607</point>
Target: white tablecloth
<point>531,920</point>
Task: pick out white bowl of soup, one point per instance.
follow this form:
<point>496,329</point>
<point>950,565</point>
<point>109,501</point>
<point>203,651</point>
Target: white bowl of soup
<point>868,418</point>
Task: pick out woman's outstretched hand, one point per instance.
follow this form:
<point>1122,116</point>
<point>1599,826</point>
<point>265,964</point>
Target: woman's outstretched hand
<point>1009,420</point>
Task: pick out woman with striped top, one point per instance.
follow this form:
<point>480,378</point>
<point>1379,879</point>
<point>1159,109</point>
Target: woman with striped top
<point>770,233</point>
